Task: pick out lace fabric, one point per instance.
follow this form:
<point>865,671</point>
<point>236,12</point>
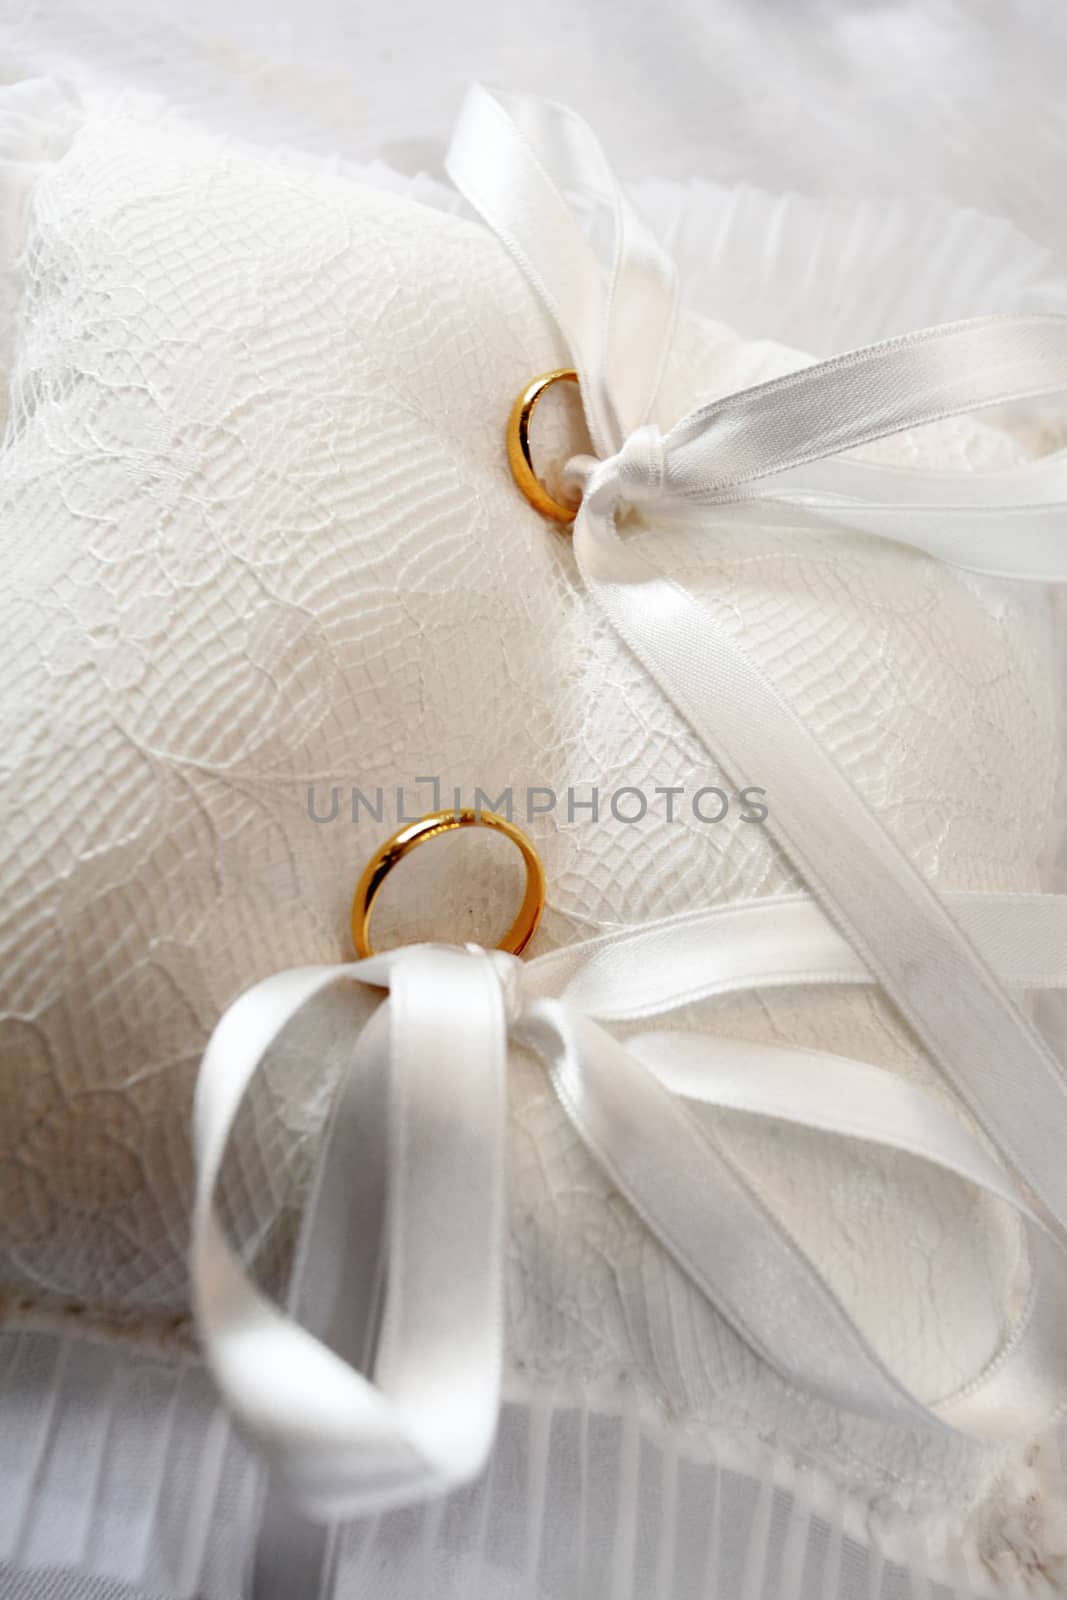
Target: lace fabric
<point>212,467</point>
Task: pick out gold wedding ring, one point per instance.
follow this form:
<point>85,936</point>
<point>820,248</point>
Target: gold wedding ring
<point>386,857</point>
<point>518,437</point>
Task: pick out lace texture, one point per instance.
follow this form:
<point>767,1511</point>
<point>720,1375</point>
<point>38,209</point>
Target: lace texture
<point>226,587</point>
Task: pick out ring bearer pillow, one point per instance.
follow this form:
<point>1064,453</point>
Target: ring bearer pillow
<point>261,542</point>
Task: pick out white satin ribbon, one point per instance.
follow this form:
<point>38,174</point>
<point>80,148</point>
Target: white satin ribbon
<point>379,1385</point>
<point>781,941</point>
<point>436,1060</point>
<point>720,452</point>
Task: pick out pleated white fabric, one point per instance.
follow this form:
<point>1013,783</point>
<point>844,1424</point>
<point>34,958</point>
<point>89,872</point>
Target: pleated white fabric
<point>159,1494</point>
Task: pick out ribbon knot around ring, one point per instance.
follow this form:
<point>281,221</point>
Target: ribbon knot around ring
<point>360,1402</point>
<point>635,475</point>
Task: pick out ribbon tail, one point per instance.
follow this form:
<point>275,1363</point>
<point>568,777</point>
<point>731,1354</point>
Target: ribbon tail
<point>899,927</point>
<point>1020,1389</point>
<point>710,1220</point>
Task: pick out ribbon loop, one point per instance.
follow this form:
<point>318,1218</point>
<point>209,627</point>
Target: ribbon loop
<point>618,323</point>
<point>533,170</point>
<point>379,1384</point>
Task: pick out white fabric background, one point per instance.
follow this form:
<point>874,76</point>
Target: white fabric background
<point>961,98</point>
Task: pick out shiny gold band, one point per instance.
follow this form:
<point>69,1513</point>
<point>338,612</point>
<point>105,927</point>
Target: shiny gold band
<point>518,437</point>
<point>386,857</point>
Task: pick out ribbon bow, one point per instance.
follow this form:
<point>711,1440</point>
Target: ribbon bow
<point>380,1383</point>
<point>530,168</point>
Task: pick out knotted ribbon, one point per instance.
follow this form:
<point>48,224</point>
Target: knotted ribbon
<point>380,1382</point>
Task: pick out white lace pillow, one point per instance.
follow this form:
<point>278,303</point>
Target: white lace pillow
<point>261,542</point>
